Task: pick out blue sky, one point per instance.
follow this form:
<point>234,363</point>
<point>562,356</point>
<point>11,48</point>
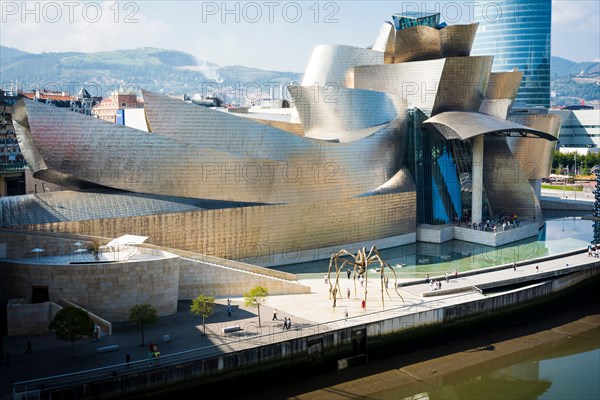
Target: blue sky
<point>276,35</point>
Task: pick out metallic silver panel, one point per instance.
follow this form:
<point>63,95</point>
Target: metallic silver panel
<point>433,86</point>
<point>498,108</point>
<point>417,43</point>
<point>506,185</point>
<point>534,155</point>
<point>386,41</point>
<point>248,161</point>
<point>344,114</point>
<point>465,125</point>
<point>457,40</point>
<point>68,205</point>
<point>504,85</point>
<point>329,64</point>
<point>463,84</point>
<point>417,82</point>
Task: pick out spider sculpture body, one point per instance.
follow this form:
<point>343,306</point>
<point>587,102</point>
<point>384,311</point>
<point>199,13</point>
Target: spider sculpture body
<point>341,260</point>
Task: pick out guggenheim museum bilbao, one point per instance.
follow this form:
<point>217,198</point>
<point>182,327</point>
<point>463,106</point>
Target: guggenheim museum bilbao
<point>411,132</point>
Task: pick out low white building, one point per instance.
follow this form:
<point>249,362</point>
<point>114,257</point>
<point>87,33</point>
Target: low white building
<point>579,131</point>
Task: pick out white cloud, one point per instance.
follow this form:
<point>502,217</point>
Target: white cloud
<point>87,27</point>
<point>581,16</point>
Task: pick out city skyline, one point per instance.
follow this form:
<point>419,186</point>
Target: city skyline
<point>278,35</point>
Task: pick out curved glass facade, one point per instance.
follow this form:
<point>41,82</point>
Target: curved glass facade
<point>517,34</point>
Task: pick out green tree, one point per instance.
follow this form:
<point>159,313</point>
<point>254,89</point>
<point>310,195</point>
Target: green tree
<point>255,297</point>
<point>203,306</point>
<point>72,323</point>
<point>143,314</point>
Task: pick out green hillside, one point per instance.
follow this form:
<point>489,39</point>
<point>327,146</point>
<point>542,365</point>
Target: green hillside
<point>159,70</point>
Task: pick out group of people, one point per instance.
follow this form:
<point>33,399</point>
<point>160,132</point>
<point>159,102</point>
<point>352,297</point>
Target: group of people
<point>503,223</point>
<point>153,354</point>
<point>287,324</point>
<point>436,285</point>
<point>594,251</point>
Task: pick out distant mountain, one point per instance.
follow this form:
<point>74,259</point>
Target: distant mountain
<point>561,67</point>
<point>177,72</point>
<point>159,70</point>
<point>574,82</point>
<point>9,52</point>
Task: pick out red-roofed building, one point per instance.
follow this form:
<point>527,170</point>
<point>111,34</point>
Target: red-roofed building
<point>107,108</point>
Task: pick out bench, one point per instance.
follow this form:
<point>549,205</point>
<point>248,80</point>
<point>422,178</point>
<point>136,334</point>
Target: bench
<point>235,328</point>
<point>106,349</point>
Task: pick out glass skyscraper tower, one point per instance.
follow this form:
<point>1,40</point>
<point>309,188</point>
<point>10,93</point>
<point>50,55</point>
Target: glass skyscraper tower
<point>517,34</point>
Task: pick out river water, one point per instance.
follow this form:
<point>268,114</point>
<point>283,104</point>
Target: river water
<point>563,371</point>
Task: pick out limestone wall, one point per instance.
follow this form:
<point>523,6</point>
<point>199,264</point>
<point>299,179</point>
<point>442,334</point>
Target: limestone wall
<point>28,319</point>
<point>108,290</point>
<point>207,279</point>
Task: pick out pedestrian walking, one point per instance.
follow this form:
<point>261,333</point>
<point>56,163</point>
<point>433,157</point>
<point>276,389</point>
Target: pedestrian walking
<point>285,323</point>
<point>514,266</point>
<point>363,304</point>
<point>349,273</point>
<point>447,278</point>
<point>455,273</point>
<point>275,315</point>
<point>537,268</point>
<point>326,279</point>
<point>228,302</point>
<point>289,324</point>
<point>348,293</point>
<point>427,278</point>
<point>128,359</point>
<point>28,351</point>
<point>346,314</point>
<point>229,311</point>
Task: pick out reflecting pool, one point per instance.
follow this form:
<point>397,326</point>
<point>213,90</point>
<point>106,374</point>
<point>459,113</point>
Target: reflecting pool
<point>562,232</point>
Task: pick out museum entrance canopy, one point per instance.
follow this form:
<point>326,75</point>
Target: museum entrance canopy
<point>463,125</point>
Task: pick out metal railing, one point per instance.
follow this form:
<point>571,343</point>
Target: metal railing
<point>231,342</point>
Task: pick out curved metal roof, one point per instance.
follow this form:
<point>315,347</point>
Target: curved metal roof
<point>464,125</point>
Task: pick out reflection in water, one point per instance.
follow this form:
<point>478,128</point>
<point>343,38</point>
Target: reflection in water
<point>567,369</point>
<point>558,235</point>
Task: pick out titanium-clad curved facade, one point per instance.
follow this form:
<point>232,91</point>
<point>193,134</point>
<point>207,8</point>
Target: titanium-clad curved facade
<point>504,85</point>
<point>386,41</point>
<point>517,34</point>
<point>418,43</point>
<point>534,155</point>
<point>506,184</point>
<point>433,86</point>
<point>272,167</point>
<point>329,64</point>
<point>346,114</point>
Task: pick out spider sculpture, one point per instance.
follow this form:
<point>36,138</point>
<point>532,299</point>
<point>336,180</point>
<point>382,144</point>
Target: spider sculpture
<point>360,262</point>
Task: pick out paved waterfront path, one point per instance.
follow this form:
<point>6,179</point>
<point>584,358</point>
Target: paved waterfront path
<point>52,357</point>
